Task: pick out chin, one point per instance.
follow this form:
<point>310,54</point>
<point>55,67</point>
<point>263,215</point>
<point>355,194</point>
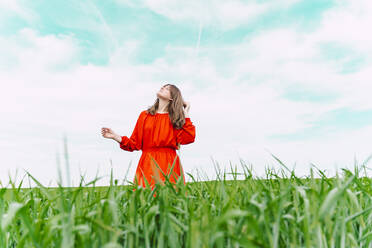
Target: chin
<point>159,96</point>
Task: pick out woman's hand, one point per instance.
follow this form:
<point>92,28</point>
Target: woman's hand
<point>108,133</point>
<point>186,108</point>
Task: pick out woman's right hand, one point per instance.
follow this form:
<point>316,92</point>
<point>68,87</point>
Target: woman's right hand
<point>108,133</point>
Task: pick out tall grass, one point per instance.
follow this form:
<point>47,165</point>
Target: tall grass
<point>278,210</point>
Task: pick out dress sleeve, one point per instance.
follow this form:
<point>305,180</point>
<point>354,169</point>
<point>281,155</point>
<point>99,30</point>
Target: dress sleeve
<point>133,143</point>
<point>186,134</point>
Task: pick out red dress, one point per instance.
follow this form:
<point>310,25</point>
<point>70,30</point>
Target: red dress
<point>157,138</point>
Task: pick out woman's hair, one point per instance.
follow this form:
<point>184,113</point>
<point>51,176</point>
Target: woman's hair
<point>175,107</point>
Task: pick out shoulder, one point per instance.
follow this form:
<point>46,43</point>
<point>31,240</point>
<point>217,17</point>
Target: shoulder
<point>144,113</point>
<point>142,116</point>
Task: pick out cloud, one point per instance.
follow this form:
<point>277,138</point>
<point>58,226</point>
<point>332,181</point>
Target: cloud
<point>347,23</point>
<point>221,14</point>
<point>50,51</point>
<point>238,94</point>
<point>10,8</point>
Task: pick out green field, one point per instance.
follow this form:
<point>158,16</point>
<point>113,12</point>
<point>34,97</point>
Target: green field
<point>279,210</point>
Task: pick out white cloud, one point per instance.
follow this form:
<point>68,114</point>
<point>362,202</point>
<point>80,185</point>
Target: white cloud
<point>48,51</point>
<point>222,14</point>
<point>13,7</point>
<point>235,105</point>
<point>348,23</point>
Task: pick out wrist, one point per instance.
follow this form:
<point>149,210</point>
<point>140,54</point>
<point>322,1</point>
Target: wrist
<point>117,138</point>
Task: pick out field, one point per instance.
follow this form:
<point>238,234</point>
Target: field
<point>280,210</point>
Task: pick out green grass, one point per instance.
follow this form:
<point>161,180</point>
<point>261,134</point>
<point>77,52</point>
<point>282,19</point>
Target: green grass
<point>254,212</point>
<point>278,210</point>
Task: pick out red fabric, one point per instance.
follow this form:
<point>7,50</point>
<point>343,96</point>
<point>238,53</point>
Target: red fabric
<point>156,137</point>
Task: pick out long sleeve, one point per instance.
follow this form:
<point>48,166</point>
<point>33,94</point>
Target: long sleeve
<point>134,142</point>
<point>186,134</point>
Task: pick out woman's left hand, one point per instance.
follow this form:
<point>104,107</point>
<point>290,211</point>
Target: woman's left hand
<point>187,109</point>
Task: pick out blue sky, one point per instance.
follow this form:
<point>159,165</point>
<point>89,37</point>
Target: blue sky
<point>278,75</point>
<point>103,25</point>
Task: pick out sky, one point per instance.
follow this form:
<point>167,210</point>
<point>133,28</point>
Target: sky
<point>287,78</point>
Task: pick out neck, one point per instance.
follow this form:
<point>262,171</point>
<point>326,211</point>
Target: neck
<point>163,105</point>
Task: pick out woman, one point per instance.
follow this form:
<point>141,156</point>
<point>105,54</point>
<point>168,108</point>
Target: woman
<point>159,132</point>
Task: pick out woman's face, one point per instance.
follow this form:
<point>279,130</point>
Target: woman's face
<point>164,92</point>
